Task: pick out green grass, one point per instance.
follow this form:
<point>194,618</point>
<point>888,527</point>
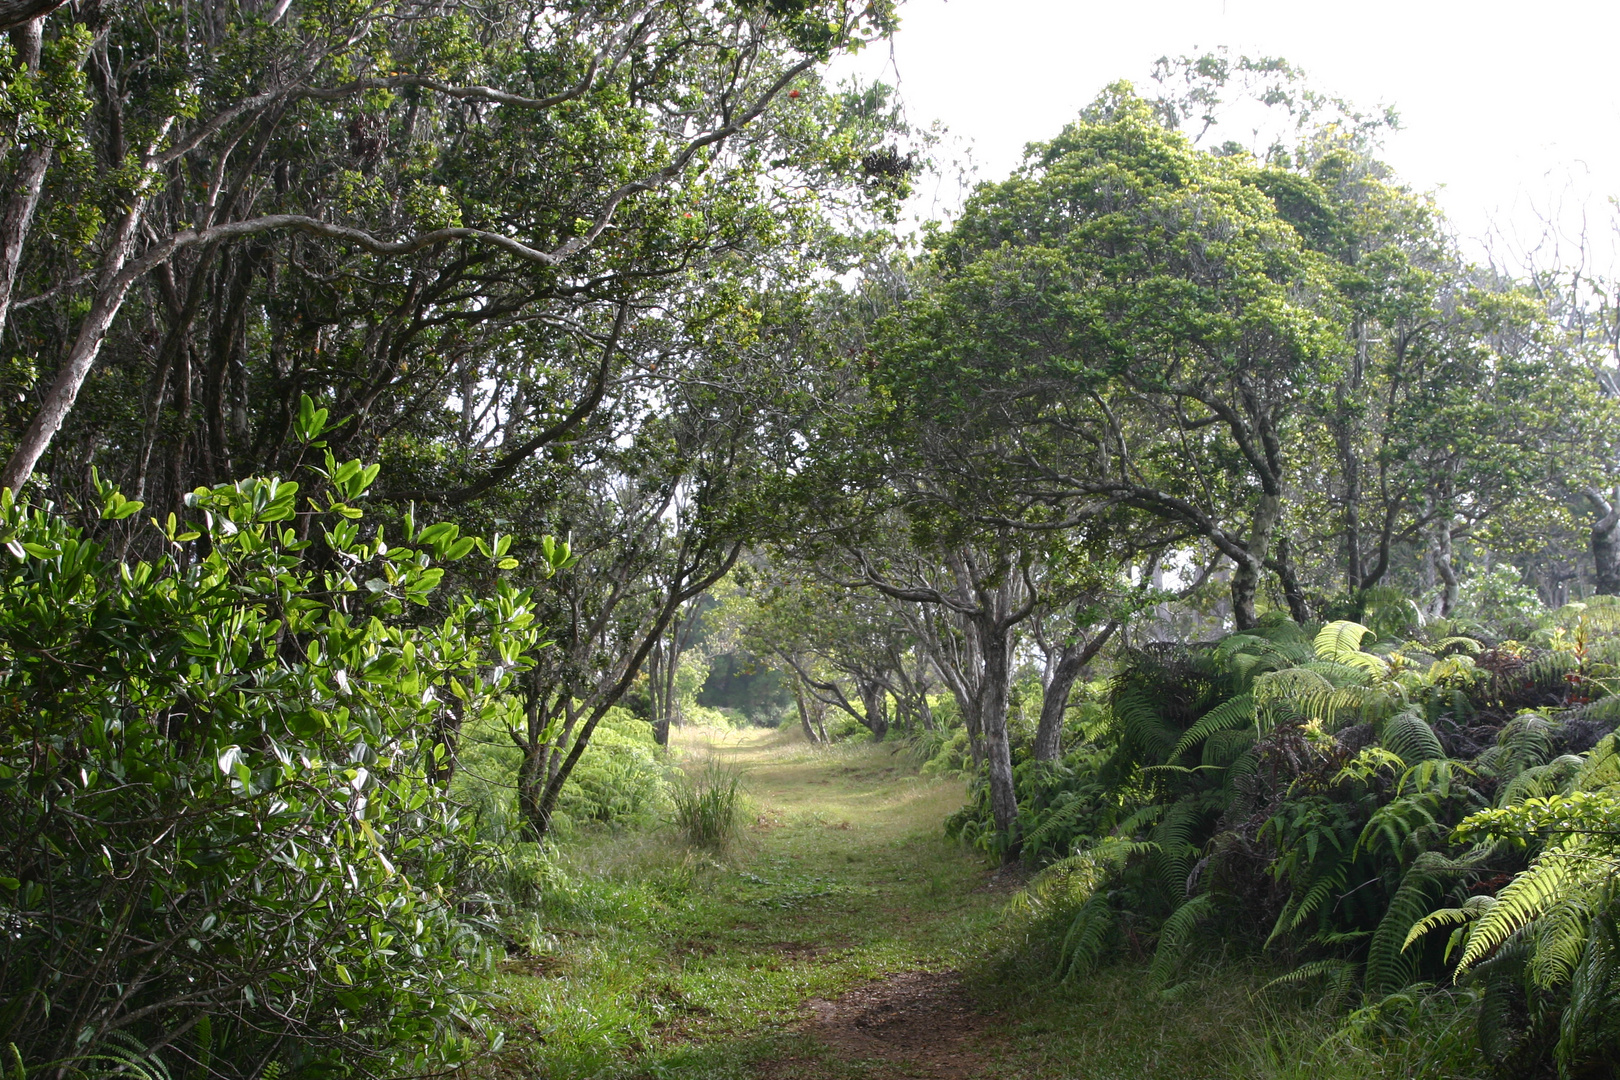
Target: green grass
<point>707,803</point>
<point>664,959</point>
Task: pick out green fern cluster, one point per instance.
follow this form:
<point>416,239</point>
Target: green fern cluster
<point>1556,919</point>
<point>1305,772</point>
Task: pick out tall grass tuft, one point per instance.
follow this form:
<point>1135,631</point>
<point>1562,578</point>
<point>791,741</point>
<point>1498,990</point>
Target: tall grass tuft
<point>707,803</point>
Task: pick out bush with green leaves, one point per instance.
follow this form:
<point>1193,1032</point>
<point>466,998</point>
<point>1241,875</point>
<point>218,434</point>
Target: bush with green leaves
<point>224,831</point>
<point>623,781</point>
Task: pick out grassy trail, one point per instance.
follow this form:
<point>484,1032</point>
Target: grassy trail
<point>840,937</point>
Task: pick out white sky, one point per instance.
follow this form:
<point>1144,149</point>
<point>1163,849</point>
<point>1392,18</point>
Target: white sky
<point>1506,108</point>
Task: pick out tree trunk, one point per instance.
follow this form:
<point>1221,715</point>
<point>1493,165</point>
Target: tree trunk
<point>1299,609</point>
<point>1246,577</point>
<point>22,14</point>
<point>1055,703</point>
<point>875,699</point>
<point>804,714</point>
<point>657,699</point>
<point>112,285</point>
<point>64,390</point>
<point>924,713</point>
<point>993,717</point>
<point>685,587</point>
<point>1443,567</point>
<point>531,785</point>
<point>1055,696</point>
<point>26,183</point>
<point>1605,541</point>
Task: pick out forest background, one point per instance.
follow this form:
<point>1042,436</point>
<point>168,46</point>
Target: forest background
<point>412,410</point>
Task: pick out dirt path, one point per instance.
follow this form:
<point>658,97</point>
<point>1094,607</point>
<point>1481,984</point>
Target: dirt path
<point>921,1022</point>
<point>914,1023</point>
<point>823,944</point>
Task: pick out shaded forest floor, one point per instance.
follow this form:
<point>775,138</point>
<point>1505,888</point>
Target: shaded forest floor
<point>841,937</point>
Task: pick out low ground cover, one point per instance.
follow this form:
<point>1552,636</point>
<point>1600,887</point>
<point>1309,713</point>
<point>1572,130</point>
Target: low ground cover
<point>840,934</point>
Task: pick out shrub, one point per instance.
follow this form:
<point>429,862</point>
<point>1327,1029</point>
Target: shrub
<point>224,834</point>
<point>621,781</point>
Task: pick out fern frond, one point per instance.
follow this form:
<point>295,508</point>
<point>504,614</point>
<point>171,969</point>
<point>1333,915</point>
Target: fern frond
<point>1173,937</point>
<point>1364,702</point>
<point>1337,673</point>
<point>1340,976</point>
<point>1560,938</point>
<point>1300,908</point>
<point>1142,726</point>
<point>1233,713</point>
<point>1280,688</point>
<point>1602,765</point>
<point>1388,966</point>
<point>1457,643</point>
<point>1058,818</point>
<point>1087,937</point>
<point>1556,777</point>
<point>1147,815</point>
<point>1594,994</point>
<point>1341,642</point>
<point>1471,909</point>
<point>1224,748</point>
<point>1409,735</point>
<point>1398,819</point>
<point>1530,894</point>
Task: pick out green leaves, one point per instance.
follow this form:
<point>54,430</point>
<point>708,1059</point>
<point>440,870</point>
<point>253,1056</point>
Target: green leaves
<point>311,422</point>
<point>244,764</point>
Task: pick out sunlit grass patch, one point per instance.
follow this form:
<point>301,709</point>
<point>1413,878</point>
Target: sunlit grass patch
<point>671,960</point>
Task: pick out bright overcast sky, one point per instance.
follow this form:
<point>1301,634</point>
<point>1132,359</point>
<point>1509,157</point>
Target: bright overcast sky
<point>1506,108</point>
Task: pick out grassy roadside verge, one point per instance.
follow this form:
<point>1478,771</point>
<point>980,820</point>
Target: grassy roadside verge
<point>664,961</point>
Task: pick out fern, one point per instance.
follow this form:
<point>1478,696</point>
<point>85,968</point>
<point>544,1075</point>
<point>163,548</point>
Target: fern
<point>1339,674</point>
<point>1224,748</point>
<point>1174,936</point>
<point>1300,908</point>
<point>1410,736</point>
<point>1471,909</point>
<point>1087,937</point>
<point>1275,691</point>
<point>1059,818</point>
<point>1365,702</point>
<point>1341,642</point>
<point>1459,644</point>
<point>1530,894</point>
<point>1173,837</point>
<point>1142,727</point>
<point>1397,820</point>
<point>1554,778</point>
<point>1602,766</point>
<point>1339,974</point>
<point>1589,1029</point>
<point>1233,713</point>
<point>1389,967</point>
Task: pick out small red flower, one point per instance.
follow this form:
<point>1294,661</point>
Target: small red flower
<point>793,93</point>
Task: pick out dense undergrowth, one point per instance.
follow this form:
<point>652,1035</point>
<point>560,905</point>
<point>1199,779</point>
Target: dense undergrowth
<point>1419,824</point>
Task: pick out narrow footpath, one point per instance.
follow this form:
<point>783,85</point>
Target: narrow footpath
<point>840,937</point>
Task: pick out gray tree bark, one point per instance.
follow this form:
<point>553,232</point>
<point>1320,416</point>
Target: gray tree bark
<point>1055,696</point>
<point>26,183</point>
<point>1605,542</point>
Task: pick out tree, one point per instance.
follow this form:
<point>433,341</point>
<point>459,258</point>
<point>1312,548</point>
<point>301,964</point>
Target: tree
<point>376,199</point>
<point>1147,322</point>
